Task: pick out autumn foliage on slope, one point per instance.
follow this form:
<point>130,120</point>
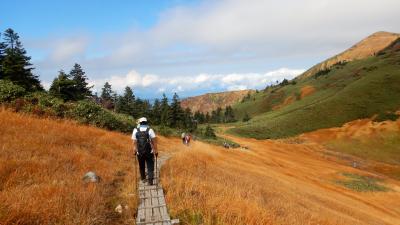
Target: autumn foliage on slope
<point>42,163</point>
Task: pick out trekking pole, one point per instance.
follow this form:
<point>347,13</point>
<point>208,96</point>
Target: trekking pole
<point>157,172</point>
<point>136,172</point>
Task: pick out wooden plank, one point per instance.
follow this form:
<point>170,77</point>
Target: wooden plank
<point>164,213</point>
<point>161,201</point>
<point>156,209</point>
<point>141,216</point>
<point>148,210</point>
<point>160,192</point>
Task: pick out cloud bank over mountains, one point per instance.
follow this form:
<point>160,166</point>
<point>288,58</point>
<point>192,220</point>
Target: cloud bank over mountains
<point>214,36</point>
<point>197,84</point>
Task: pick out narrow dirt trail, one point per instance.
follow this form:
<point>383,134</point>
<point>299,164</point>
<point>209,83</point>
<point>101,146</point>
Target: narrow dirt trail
<point>305,177</point>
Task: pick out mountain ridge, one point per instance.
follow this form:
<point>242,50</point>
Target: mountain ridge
<point>211,101</point>
<point>368,46</point>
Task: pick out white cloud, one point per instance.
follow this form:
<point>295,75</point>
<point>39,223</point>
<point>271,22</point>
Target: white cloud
<point>213,36</point>
<point>68,48</point>
<point>202,82</point>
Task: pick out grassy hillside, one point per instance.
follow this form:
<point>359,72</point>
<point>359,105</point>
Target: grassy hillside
<point>376,145</point>
<point>348,91</point>
<point>211,101</point>
<point>42,163</point>
<point>365,48</point>
<point>268,184</point>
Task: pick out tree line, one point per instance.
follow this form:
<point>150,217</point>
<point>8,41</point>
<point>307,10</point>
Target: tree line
<point>73,86</point>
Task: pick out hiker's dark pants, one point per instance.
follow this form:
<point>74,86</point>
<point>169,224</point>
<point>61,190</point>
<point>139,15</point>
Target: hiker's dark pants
<point>149,160</point>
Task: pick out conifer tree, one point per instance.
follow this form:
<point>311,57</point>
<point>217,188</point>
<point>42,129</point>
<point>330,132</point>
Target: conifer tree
<point>2,52</point>
<point>106,92</point>
<point>165,111</point>
<point>63,87</point>
<point>107,98</point>
<point>126,102</point>
<point>156,112</point>
<point>229,115</point>
<point>15,65</point>
<point>81,84</point>
<point>176,112</point>
<point>189,123</point>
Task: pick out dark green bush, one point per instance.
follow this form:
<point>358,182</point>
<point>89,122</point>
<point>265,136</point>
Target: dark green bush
<point>46,102</point>
<point>10,91</point>
<point>209,132</point>
<point>88,112</point>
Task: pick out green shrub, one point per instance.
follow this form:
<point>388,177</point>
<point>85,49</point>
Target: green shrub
<point>10,91</point>
<point>46,102</point>
<point>209,132</point>
<point>88,112</point>
<point>165,131</point>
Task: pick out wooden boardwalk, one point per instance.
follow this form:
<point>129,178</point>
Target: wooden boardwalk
<point>152,209</point>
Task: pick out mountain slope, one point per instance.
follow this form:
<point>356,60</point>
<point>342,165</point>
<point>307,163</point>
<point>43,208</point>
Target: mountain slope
<point>363,49</point>
<point>211,101</point>
<point>346,92</point>
<point>273,182</point>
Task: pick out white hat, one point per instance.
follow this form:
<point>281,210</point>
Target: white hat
<point>143,119</point>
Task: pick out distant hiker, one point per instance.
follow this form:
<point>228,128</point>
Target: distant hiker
<point>183,136</point>
<point>145,148</point>
<point>226,145</point>
<point>187,139</point>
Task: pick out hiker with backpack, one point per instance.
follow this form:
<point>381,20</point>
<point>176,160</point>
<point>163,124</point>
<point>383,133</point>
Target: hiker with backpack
<point>145,148</point>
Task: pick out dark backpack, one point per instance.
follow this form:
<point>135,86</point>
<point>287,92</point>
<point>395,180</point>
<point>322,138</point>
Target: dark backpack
<point>143,141</point>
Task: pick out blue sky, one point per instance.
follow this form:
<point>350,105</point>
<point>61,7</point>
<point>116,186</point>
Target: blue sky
<point>191,47</point>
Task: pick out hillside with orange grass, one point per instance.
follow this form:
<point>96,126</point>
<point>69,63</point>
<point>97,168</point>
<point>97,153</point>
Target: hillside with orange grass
<point>42,162</point>
<point>363,49</point>
<point>269,182</point>
<point>211,101</point>
<point>275,182</point>
<point>375,144</point>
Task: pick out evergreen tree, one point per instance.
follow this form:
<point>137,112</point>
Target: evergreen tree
<point>216,115</point>
<point>15,65</point>
<point>176,112</point>
<point>126,102</point>
<point>63,87</point>
<point>199,117</point>
<point>106,92</point>
<point>165,111</point>
<point>156,112</point>
<point>207,118</point>
<point>229,115</point>
<point>2,52</point>
<point>142,108</point>
<point>107,98</point>
<point>189,123</point>
<point>81,85</point>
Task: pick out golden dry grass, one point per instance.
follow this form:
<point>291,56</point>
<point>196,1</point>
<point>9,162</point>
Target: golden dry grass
<point>273,183</point>
<point>42,163</point>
